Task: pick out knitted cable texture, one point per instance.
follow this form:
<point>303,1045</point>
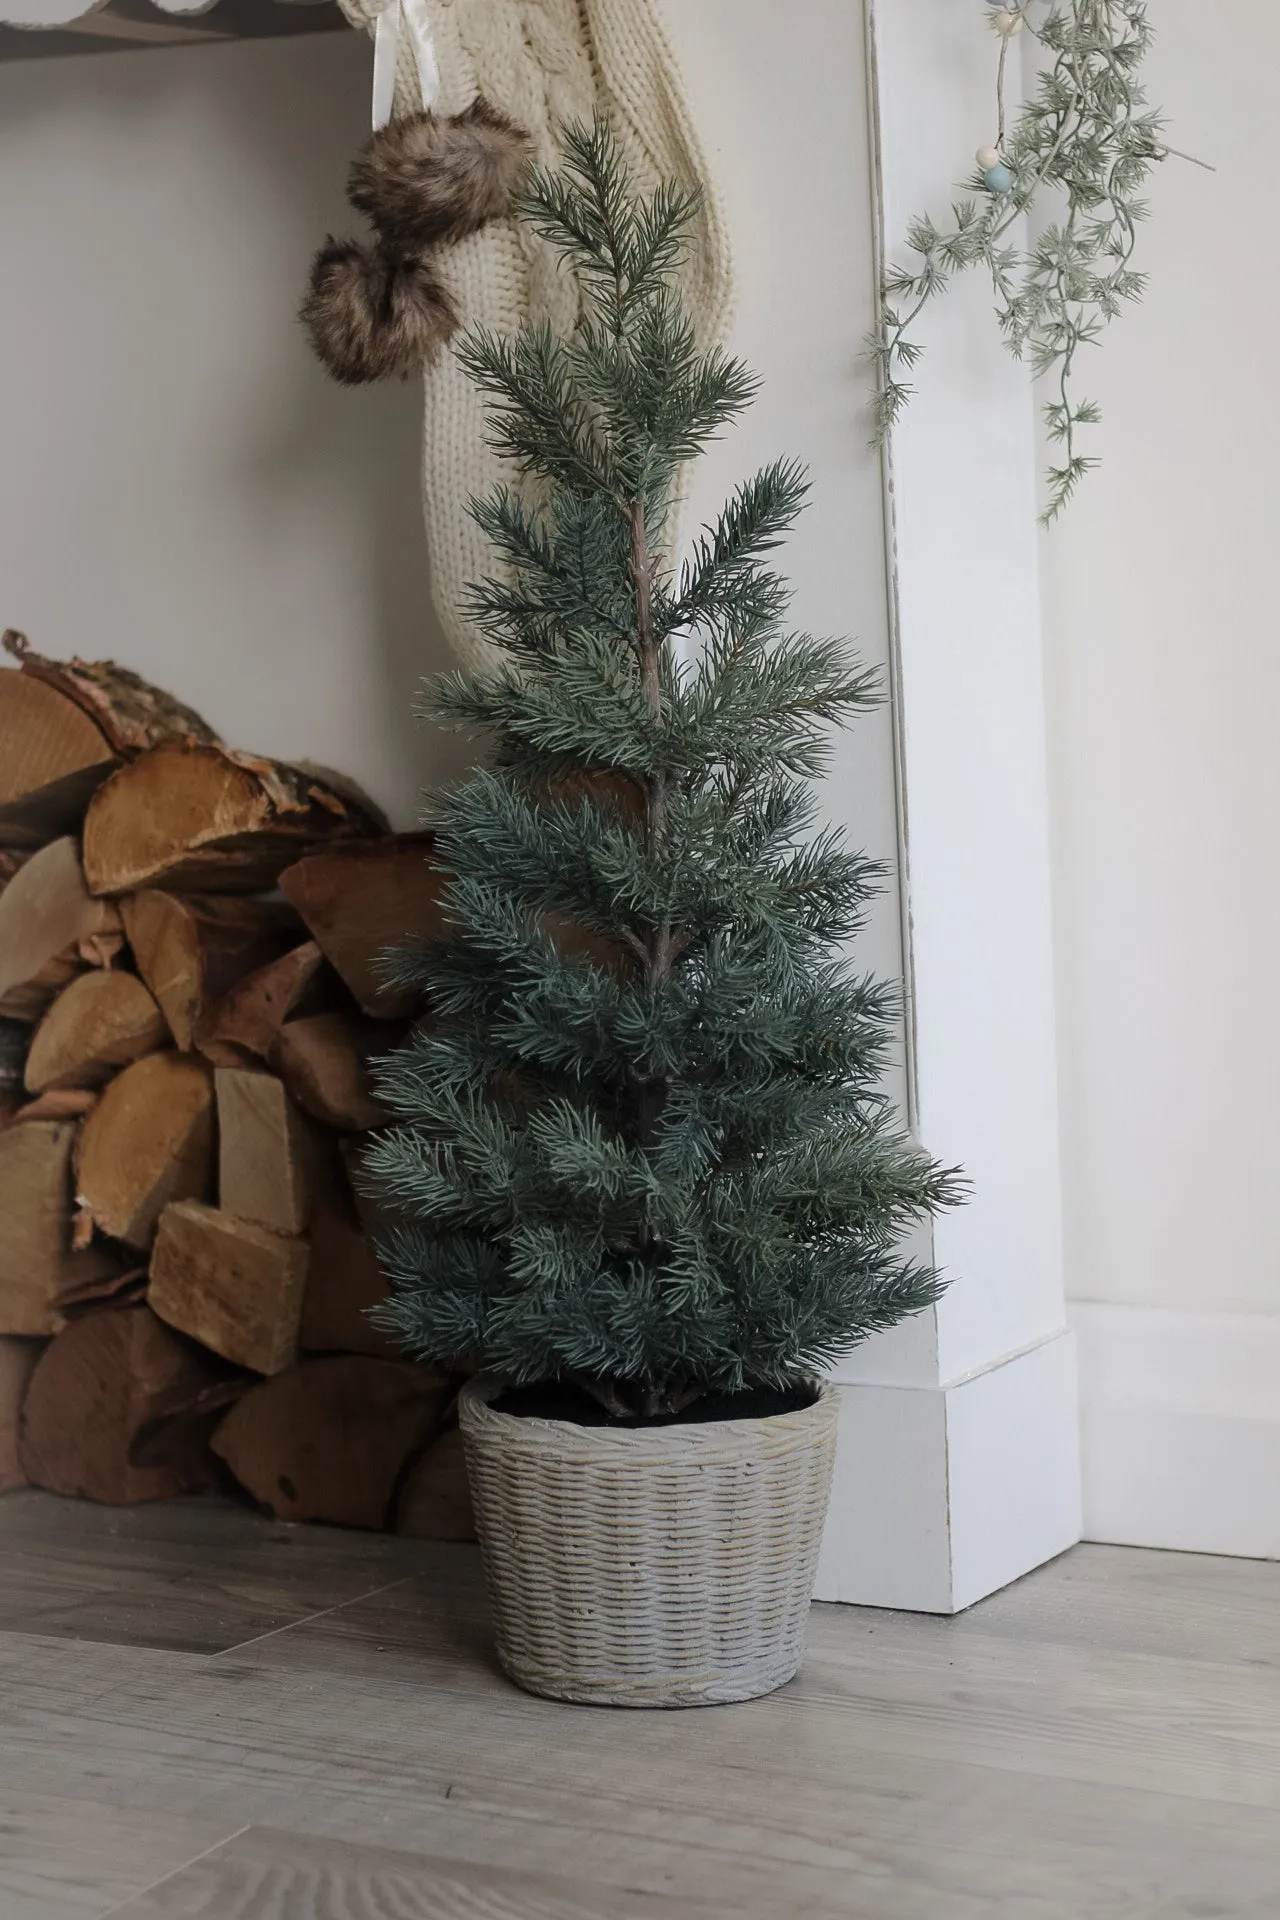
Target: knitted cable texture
<point>543,62</point>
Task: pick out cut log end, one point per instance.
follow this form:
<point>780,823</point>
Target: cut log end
<point>95,1388</point>
<point>149,1141</point>
<point>99,1023</point>
<point>328,1439</point>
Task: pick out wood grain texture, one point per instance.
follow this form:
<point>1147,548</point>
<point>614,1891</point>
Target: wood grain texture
<point>17,1359</point>
<point>149,1141</point>
<point>323,1059</point>
<point>35,1222</point>
<point>191,951</point>
<point>69,1859</point>
<point>270,1156</point>
<point>233,1286</point>
<point>1119,1764</point>
<point>101,1022</point>
<point>52,757</point>
<point>50,929</point>
<point>193,1576</point>
<point>361,899</point>
<point>264,1874</point>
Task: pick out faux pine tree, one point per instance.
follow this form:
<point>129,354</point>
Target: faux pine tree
<point>642,1143</point>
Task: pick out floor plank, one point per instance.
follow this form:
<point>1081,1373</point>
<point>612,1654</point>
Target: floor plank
<point>1101,1742</point>
<point>75,1858</point>
<point>195,1576</point>
<point>266,1875</point>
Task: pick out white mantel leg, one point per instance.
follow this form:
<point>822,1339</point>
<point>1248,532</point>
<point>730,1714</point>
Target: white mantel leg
<point>960,1464</point>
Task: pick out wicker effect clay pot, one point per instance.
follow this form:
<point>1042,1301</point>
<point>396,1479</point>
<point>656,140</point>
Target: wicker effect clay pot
<point>656,1567</point>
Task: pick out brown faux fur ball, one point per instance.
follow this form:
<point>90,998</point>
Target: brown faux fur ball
<point>373,314</point>
<point>425,179</point>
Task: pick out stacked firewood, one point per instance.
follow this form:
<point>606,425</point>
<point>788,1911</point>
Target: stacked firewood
<point>189,1004</point>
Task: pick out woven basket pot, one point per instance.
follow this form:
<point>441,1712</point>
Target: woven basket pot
<point>657,1567</point>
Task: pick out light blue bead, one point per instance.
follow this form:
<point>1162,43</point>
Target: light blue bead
<point>998,179</point>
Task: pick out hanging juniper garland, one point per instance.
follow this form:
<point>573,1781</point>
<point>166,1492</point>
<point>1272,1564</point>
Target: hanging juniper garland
<point>1074,157</point>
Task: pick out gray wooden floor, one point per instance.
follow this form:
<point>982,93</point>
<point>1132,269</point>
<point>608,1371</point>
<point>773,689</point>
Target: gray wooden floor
<point>205,1717</point>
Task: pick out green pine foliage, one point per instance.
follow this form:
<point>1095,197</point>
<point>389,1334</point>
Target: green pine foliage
<point>1077,155</point>
<point>642,1142</point>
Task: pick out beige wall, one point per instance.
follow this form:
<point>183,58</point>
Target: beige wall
<point>180,486</point>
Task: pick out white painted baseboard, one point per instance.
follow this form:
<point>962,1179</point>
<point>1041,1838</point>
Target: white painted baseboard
<point>1181,1428</point>
<point>944,1494</point>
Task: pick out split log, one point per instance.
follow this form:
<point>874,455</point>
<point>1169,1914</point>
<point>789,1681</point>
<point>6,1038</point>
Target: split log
<point>359,899</point>
<point>60,1103</point>
<point>50,929</point>
<point>131,713</point>
<point>15,1036</point>
<point>435,1497</point>
<point>101,1022</point>
<point>324,1062</point>
<point>270,1157</point>
<point>191,951</point>
<point>149,1141</point>
<point>198,818</point>
<point>343,1281</point>
<point>96,1387</point>
<point>36,1258</point>
<point>177,1434</point>
<point>327,1439</point>
<point>233,1286</point>
<point>64,726</point>
<point>248,1020</point>
<point>52,758</point>
<point>17,1360</point>
<point>114,1285</point>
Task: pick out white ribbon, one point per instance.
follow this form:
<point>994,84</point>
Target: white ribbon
<point>399,16</point>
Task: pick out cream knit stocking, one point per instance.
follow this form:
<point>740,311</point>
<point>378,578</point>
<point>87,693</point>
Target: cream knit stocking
<point>543,62</point>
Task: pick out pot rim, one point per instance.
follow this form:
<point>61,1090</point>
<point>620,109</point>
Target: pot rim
<point>475,1408</point>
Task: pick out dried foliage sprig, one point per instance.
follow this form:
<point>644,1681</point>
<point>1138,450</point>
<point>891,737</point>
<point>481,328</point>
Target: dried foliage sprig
<point>1074,159</point>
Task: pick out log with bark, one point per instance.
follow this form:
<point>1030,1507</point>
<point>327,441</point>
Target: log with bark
<point>233,1286</point>
<point>360,899</point>
<point>192,949</point>
<point>149,1141</point>
<point>51,928</point>
<point>328,1439</point>
<point>101,1022</point>
<point>200,818</point>
<point>64,726</point>
<point>96,1388</point>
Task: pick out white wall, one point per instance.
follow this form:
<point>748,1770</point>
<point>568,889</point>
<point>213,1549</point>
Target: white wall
<point>180,485</point>
<point>1164,674</point>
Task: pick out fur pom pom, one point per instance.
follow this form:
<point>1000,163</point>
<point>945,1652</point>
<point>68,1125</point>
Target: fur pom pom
<point>425,179</point>
<point>372,315</point>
